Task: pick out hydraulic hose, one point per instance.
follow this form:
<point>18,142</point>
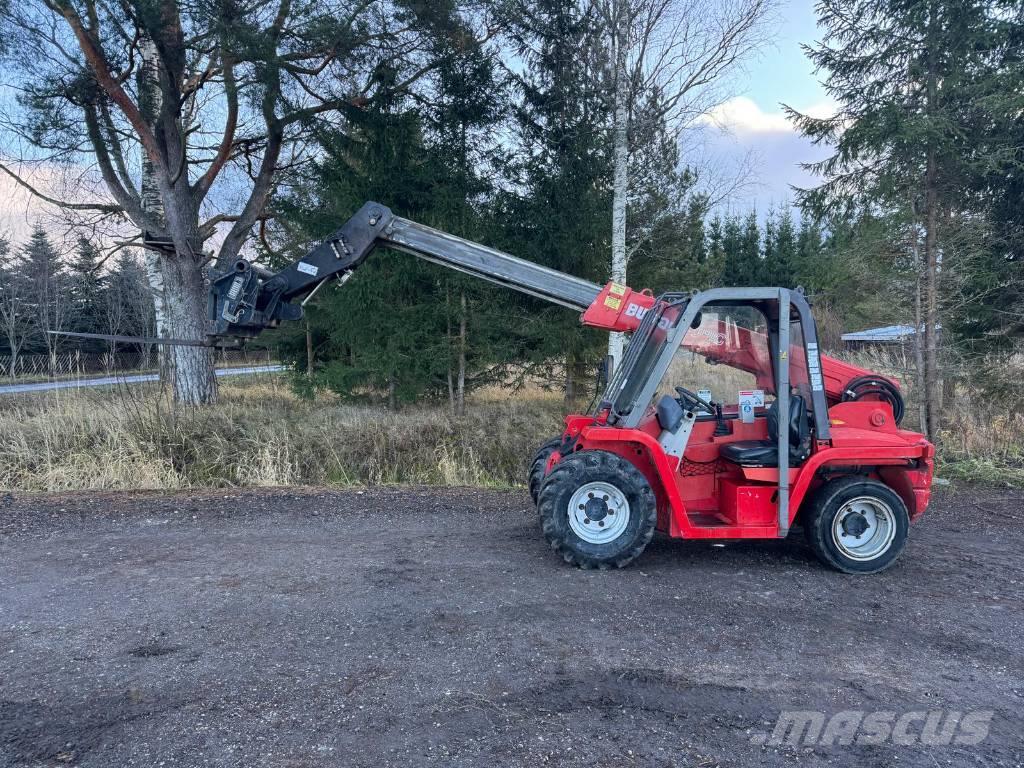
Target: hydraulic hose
<point>875,386</point>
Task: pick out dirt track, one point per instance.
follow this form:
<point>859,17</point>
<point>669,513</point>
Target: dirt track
<point>398,627</point>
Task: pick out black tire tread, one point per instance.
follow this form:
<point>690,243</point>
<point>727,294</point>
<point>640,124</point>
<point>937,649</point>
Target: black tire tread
<point>817,523</point>
<point>588,466</point>
<point>535,477</point>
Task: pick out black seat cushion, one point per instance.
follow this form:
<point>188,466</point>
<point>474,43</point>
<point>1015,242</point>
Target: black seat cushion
<point>752,453</point>
<point>764,453</point>
<point>669,413</point>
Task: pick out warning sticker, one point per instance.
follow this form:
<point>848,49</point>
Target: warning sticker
<point>611,301</point>
<point>617,289</point>
<point>309,269</point>
<point>814,367</point>
<point>750,399</point>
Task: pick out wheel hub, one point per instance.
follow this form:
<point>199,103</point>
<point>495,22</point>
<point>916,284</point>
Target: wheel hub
<point>864,528</point>
<point>598,512</point>
<point>597,509</point>
<point>855,524</point>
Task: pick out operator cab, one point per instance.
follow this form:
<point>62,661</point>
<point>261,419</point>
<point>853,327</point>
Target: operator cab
<point>729,383</point>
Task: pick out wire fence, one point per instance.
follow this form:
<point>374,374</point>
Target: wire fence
<point>77,365</point>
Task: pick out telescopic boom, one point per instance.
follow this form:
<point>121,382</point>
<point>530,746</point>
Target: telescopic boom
<point>247,299</point>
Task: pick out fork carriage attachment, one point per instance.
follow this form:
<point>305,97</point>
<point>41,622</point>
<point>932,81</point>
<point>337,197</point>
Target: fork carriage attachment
<point>828,452</point>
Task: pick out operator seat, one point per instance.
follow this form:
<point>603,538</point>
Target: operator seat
<point>765,453</point>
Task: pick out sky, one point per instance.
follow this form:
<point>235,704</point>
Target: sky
<point>752,123</point>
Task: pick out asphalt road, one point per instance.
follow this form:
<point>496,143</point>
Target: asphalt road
<point>110,381</point>
<point>422,626</point>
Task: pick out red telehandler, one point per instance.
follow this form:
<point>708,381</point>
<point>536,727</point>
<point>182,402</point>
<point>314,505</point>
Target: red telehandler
<point>813,440</point>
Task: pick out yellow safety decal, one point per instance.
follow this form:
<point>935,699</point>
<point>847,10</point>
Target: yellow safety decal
<point>618,290</point>
<point>836,422</point>
<point>611,301</point>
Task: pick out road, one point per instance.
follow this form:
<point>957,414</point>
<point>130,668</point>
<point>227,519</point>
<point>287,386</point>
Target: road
<point>398,627</point>
<point>110,381</point>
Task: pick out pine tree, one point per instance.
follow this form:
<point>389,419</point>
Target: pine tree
<point>429,332</point>
<point>779,264</point>
<point>460,119</point>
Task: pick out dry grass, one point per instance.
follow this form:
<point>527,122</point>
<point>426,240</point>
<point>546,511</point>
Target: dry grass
<point>261,434</point>
<point>982,436</point>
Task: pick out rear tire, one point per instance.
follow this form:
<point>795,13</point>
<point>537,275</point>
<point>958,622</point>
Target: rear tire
<point>597,510</point>
<point>539,464</point>
<point>856,525</point>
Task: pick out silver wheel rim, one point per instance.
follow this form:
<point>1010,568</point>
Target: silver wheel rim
<point>598,513</point>
<point>864,528</point>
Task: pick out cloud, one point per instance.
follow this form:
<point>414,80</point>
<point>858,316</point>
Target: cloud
<point>769,143</point>
<point>742,116</point>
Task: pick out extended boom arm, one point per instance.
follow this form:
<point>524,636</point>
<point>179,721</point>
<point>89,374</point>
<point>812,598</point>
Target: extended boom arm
<point>248,299</point>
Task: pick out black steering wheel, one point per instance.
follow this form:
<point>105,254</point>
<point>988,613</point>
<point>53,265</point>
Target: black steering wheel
<point>690,398</point>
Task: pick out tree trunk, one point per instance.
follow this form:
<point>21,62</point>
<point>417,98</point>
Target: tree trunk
<point>570,384</point>
<point>620,184</point>
<point>949,392</point>
<point>460,391</point>
<point>191,368</point>
<point>150,200</point>
<point>451,390</point>
<point>933,393</point>
<point>919,383</point>
<point>309,351</point>
<point>154,276</point>
<point>448,340</point>
<point>933,379</point>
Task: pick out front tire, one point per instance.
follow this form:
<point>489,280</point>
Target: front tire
<point>856,525</point>
<point>597,510</point>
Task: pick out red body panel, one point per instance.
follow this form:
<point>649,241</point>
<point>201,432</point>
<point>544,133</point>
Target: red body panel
<point>704,496</point>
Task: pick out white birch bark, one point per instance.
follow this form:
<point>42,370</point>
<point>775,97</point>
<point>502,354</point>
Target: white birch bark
<point>620,183</point>
<point>151,202</point>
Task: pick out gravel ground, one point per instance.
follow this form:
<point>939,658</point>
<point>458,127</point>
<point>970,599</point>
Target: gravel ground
<point>426,626</point>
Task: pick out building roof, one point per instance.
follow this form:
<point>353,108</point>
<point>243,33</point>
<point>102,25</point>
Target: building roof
<point>890,333</point>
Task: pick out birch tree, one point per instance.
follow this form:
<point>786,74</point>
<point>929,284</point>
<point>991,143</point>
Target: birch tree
<point>668,64</point>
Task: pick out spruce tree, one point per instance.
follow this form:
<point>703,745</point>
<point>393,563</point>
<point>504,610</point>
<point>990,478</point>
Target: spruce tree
<point>557,215</point>
<point>911,78</point>
<point>85,294</point>
<point>46,285</point>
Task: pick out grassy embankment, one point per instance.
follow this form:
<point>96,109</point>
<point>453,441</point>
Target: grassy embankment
<point>262,434</point>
